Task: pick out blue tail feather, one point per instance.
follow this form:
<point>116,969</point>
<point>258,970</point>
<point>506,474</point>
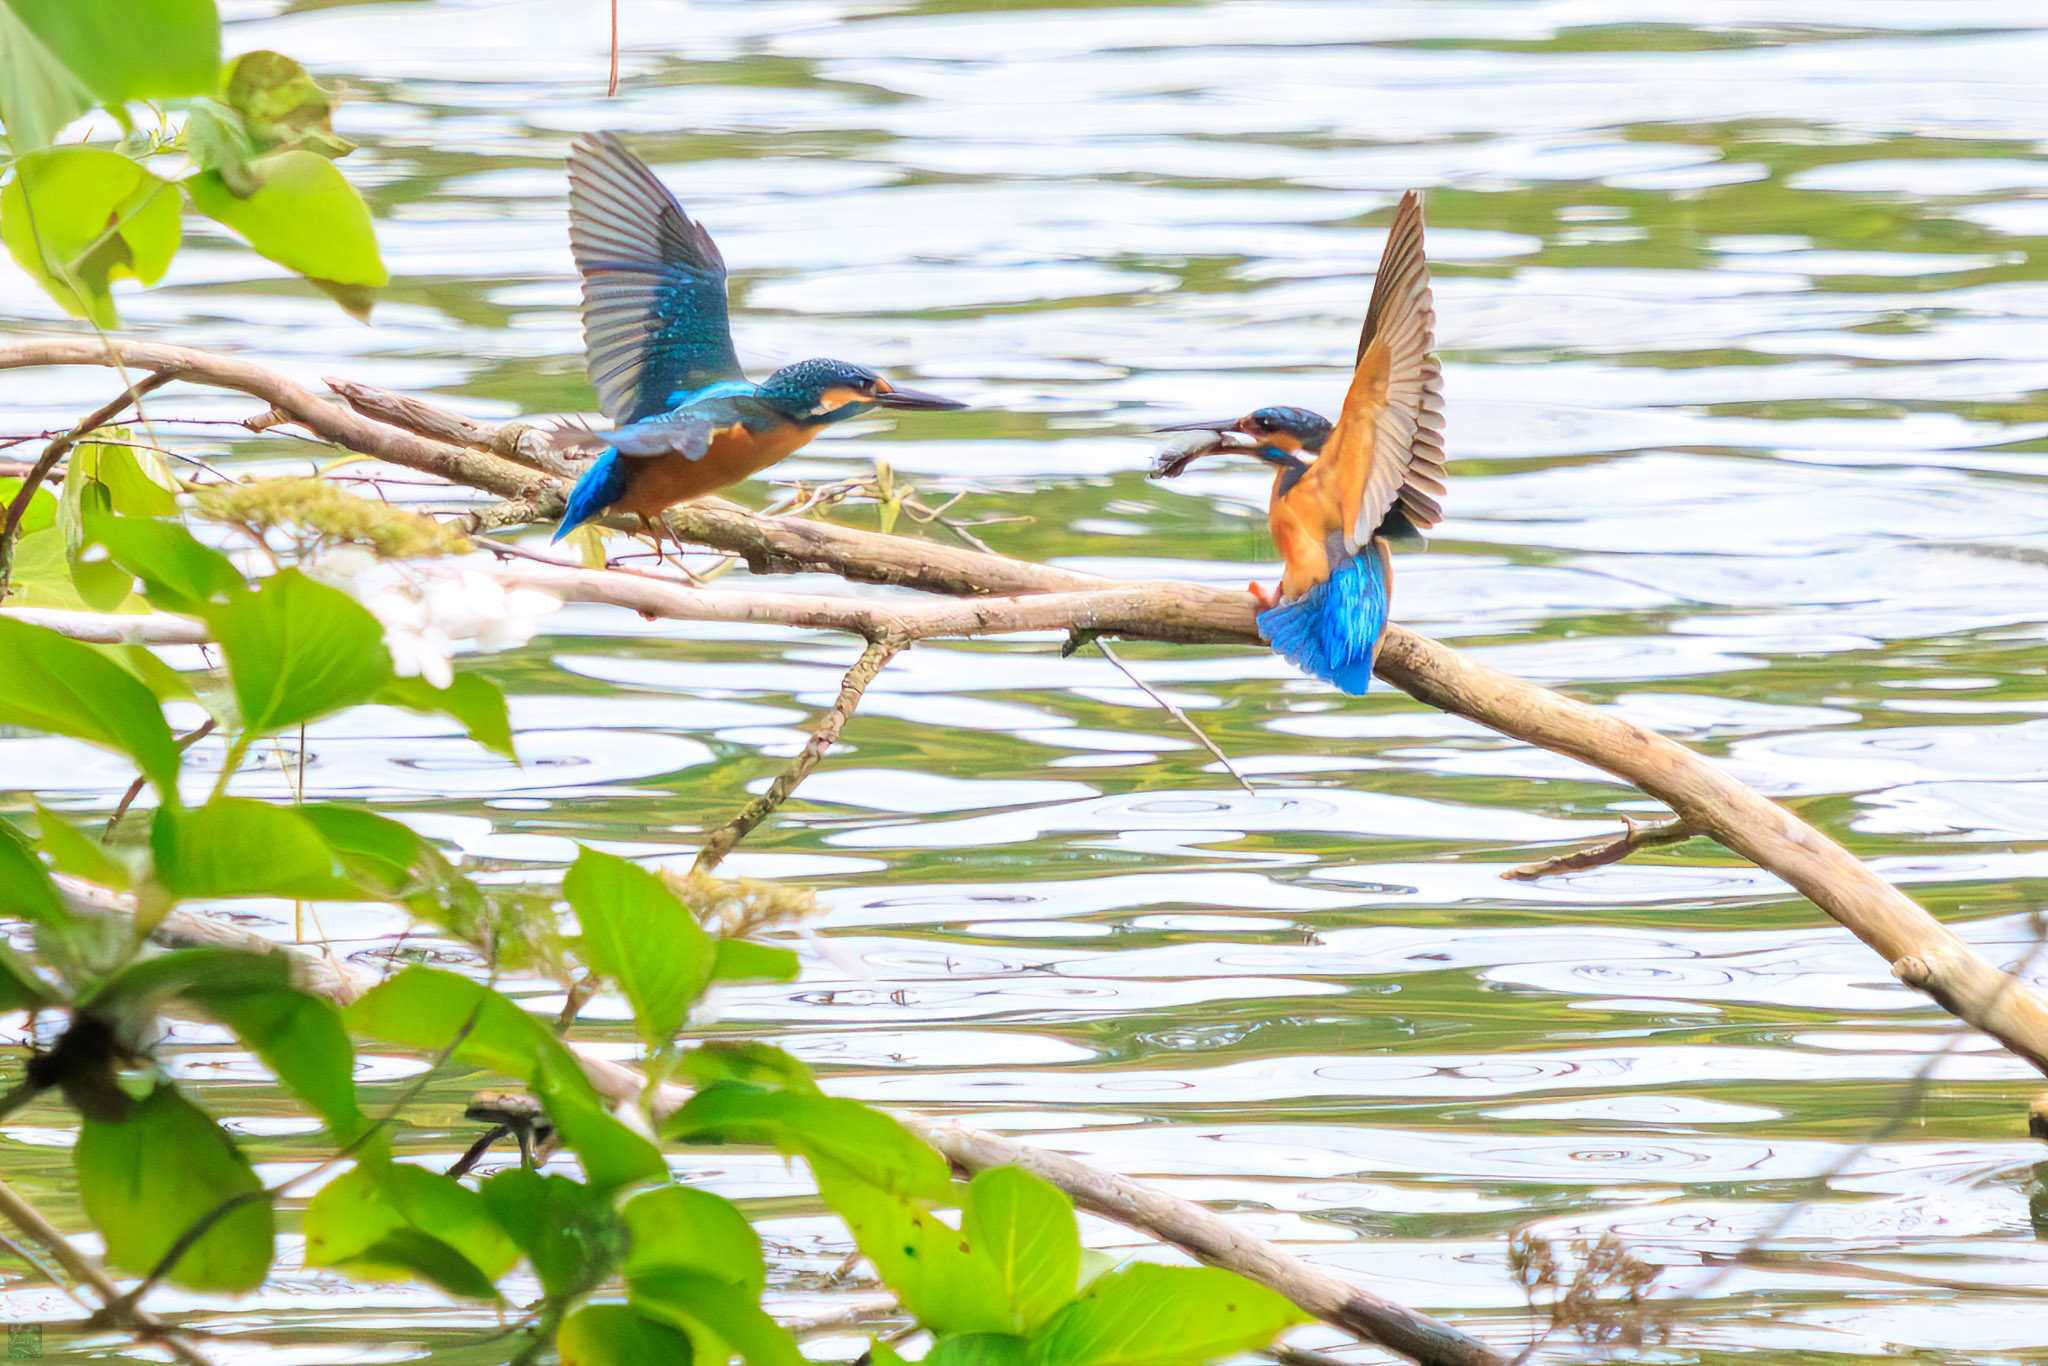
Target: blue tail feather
<point>1333,630</point>
<point>603,484</point>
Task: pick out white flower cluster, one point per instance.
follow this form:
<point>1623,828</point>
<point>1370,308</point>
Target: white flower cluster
<point>429,608</point>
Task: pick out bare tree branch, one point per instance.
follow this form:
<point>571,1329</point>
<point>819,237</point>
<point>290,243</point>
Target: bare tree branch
<point>721,841</point>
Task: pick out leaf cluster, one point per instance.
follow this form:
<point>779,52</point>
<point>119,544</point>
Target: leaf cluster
<point>257,129</point>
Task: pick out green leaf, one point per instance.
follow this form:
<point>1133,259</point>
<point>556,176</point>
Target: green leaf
<point>474,701</point>
<point>26,891</point>
<point>612,1154</point>
<point>42,504</point>
<point>679,1228</point>
<point>178,573</point>
<point>297,650</point>
<point>101,584</point>
<point>99,479</point>
<point>429,1009</point>
<point>78,218</point>
<point>126,50</point>
<point>568,1230</point>
<point>376,850</point>
<point>1024,1228</point>
<point>165,683</point>
<point>869,1144</point>
<point>690,1299</point>
<point>305,216</point>
<point>282,106</point>
<point>148,1177</point>
<point>432,1009</point>
<point>979,1349</point>
<point>132,483</point>
<point>742,960</point>
<point>71,851</point>
<point>216,140</point>
<point>619,1335</point>
<point>236,846</point>
<point>42,574</point>
<point>38,93</point>
<point>1095,1265</point>
<point>370,1221</point>
<point>410,1252</point>
<point>20,988</point>
<point>1147,1315</point>
<point>68,688</point>
<point>297,1036</point>
<point>927,1262</point>
<point>758,1064</point>
<point>143,988</point>
<point>638,934</point>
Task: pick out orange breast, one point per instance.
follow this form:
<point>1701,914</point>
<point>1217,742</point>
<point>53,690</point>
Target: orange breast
<point>661,481</point>
<point>1299,523</point>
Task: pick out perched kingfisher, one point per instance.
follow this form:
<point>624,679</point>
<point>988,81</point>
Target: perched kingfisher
<point>1343,492</point>
<point>686,421</point>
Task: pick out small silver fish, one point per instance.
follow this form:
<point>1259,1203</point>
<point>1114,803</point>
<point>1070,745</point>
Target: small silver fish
<point>1176,455</point>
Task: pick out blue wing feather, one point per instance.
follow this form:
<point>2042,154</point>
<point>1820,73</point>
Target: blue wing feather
<point>1333,630</point>
<point>603,484</point>
<point>654,308</point>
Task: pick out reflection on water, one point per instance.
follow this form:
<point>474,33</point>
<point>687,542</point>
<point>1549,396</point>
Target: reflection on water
<point>1744,332</point>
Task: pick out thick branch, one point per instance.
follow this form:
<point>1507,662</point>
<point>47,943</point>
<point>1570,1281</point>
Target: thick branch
<point>721,841</point>
<point>1698,793</point>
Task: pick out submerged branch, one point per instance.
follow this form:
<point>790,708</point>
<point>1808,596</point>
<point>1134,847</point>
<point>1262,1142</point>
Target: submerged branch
<point>1633,837</point>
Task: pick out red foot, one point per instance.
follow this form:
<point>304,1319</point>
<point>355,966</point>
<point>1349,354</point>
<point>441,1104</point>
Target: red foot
<point>1266,600</point>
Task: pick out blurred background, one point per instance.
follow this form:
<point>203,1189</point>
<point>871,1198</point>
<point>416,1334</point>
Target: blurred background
<point>1744,313</point>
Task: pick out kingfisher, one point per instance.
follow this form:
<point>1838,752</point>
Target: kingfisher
<point>685,420</point>
<point>1343,492</point>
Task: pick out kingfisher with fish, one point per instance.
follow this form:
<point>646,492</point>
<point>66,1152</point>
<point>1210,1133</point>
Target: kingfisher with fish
<point>1343,492</point>
<point>686,421</point>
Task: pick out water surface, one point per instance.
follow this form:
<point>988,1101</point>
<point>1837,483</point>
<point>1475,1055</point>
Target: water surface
<point>1744,331</point>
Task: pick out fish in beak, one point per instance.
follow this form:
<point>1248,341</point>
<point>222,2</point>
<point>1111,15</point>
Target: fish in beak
<point>1200,439</point>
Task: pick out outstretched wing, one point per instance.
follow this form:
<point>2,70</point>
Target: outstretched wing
<point>1384,462</point>
<point>654,316</point>
<point>685,432</point>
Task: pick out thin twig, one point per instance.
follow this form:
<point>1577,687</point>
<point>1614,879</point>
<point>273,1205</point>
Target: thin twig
<point>721,841</point>
<point>185,742</point>
<point>1634,837</point>
<point>611,85</point>
<point>1176,713</point>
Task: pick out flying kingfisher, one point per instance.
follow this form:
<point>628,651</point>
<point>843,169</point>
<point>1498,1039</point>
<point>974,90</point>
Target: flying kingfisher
<point>685,420</point>
<point>1343,492</point>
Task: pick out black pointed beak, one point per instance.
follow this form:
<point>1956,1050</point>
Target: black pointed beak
<point>1221,424</point>
<point>916,400</point>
